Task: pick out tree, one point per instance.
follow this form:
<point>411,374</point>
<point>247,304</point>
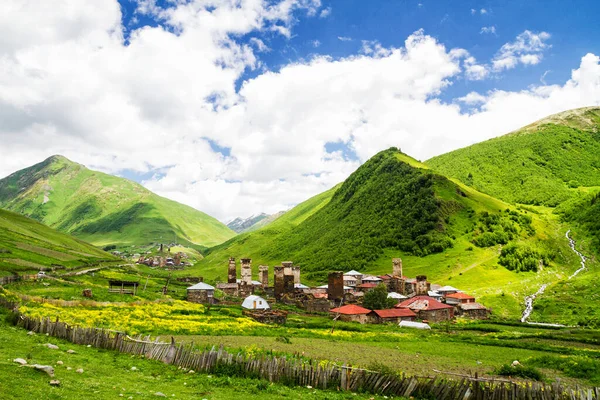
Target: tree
<point>377,299</point>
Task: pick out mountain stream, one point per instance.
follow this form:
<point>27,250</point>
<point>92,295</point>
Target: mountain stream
<point>531,298</point>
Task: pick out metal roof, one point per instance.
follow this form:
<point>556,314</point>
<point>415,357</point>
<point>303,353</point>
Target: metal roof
<point>201,286</point>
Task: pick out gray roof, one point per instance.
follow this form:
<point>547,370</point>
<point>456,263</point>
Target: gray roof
<point>472,306</point>
<point>448,289</point>
<point>353,273</point>
<point>227,285</point>
<point>201,286</point>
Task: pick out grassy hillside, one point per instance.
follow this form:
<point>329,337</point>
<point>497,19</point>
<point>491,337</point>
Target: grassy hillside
<point>541,164</point>
<point>103,209</point>
<point>26,246</point>
<point>393,208</point>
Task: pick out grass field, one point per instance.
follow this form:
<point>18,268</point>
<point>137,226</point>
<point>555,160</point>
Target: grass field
<point>462,347</point>
<point>109,375</point>
<point>26,246</point>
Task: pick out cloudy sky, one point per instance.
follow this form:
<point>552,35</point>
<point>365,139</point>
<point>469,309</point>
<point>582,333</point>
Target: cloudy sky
<point>237,107</point>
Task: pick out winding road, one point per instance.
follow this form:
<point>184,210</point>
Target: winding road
<point>531,298</point>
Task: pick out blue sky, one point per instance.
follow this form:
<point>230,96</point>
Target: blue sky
<point>573,25</point>
<point>237,107</point>
<point>480,27</point>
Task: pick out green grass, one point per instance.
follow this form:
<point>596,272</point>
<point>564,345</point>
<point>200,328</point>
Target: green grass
<point>542,164</point>
<point>104,209</point>
<point>26,246</point>
<point>108,375</point>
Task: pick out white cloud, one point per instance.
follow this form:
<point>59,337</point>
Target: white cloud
<point>344,38</point>
<point>472,98</point>
<point>483,11</point>
<point>315,43</point>
<point>160,102</point>
<point>475,71</point>
<point>488,29</point>
<point>527,49</point>
<point>260,45</point>
<point>473,11</point>
<point>326,12</point>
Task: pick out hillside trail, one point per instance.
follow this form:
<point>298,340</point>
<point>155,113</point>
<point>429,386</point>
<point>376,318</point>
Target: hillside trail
<point>531,298</point>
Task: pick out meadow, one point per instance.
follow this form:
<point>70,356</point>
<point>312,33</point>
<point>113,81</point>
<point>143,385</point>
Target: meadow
<point>108,375</point>
<point>569,354</point>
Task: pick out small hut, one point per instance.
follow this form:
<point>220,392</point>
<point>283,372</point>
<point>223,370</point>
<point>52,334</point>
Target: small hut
<point>254,302</point>
<point>201,293</point>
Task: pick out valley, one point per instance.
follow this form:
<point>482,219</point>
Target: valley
<point>519,236</point>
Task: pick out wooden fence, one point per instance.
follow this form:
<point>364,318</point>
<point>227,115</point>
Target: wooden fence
<point>294,371</point>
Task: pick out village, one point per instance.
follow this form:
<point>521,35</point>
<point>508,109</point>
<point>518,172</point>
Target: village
<point>417,302</point>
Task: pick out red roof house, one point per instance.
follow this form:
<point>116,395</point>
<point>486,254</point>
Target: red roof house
<point>428,308</point>
<point>365,287</point>
<point>351,313</point>
<point>459,298</point>
<point>393,315</point>
<point>350,309</point>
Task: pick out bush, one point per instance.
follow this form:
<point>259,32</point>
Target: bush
<point>382,368</point>
<point>519,371</point>
<point>580,367</point>
<point>521,258</point>
<point>377,299</point>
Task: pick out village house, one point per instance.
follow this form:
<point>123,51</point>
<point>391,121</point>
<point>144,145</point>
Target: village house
<point>446,290</point>
<point>397,296</point>
<point>371,279</point>
<point>351,313</point>
<point>473,311</point>
<point>394,315</point>
<point>459,298</point>
<point>366,287</point>
<point>427,308</point>
<point>435,294</point>
<point>201,293</point>
<point>352,278</point>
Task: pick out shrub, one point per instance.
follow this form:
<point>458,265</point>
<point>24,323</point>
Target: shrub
<point>521,258</point>
<point>382,368</point>
<point>377,299</point>
<point>519,371</point>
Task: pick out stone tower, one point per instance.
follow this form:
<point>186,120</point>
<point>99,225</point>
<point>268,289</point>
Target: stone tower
<point>246,271</point>
<point>278,282</point>
<point>397,268</point>
<point>296,273</point>
<point>263,275</point>
<point>232,271</point>
<point>335,287</point>
<point>422,285</point>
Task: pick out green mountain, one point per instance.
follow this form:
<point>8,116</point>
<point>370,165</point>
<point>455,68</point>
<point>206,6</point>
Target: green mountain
<point>394,206</point>
<point>542,164</point>
<point>26,246</point>
<point>104,209</point>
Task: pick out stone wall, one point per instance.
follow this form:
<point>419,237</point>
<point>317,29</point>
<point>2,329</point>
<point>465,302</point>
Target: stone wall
<point>200,296</point>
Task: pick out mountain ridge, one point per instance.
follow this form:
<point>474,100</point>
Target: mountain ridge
<point>543,163</point>
<point>104,209</point>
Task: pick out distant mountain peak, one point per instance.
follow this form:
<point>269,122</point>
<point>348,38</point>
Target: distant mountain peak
<point>240,225</point>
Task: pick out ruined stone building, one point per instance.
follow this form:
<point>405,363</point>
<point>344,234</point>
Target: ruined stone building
<point>201,293</point>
